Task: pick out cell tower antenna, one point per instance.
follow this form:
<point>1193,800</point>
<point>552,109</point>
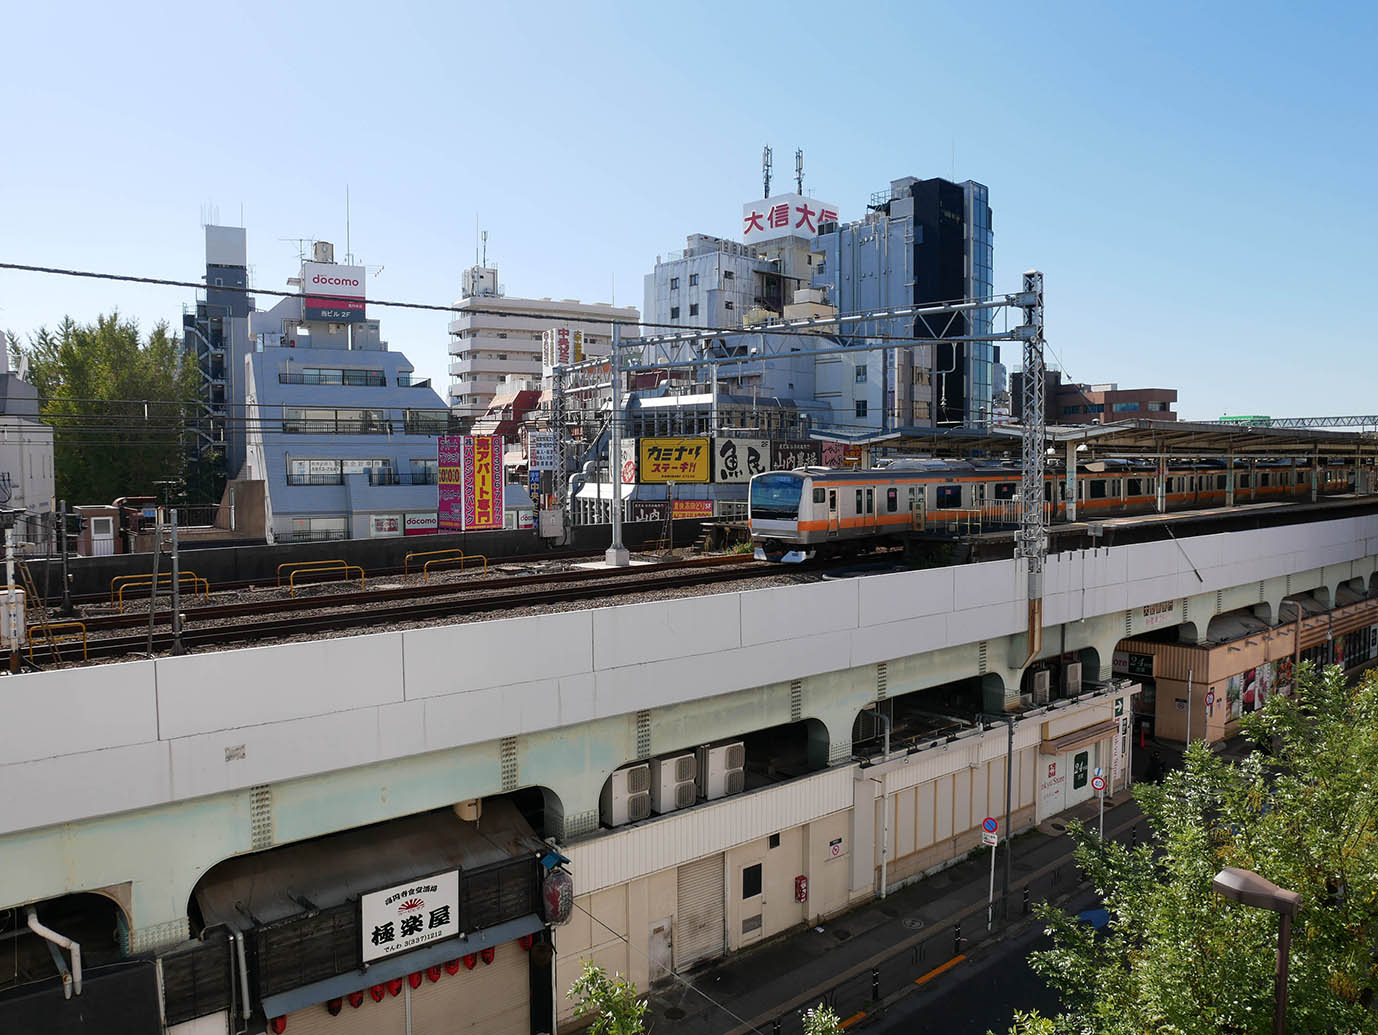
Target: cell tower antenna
<point>485,249</point>
<point>349,255</point>
<point>799,170</point>
<point>766,165</point>
<point>475,238</point>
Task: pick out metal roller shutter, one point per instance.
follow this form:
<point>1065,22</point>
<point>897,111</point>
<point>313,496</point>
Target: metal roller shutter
<point>386,1018</point>
<point>698,932</point>
<point>493,997</point>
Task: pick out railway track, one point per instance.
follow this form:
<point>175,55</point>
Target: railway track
<point>376,608</point>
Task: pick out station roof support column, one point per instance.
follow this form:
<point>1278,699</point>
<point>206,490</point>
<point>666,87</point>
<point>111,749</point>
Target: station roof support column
<point>1070,462</point>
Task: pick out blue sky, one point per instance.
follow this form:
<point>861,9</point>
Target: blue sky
<point>1195,180</point>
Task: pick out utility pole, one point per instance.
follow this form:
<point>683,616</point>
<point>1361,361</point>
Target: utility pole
<point>68,611</point>
<point>617,555</point>
<point>11,600</point>
<point>176,591</point>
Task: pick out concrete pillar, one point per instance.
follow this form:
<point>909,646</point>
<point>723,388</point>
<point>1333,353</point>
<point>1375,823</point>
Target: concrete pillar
<point>1253,480</point>
<point>1070,475</point>
<point>1315,476</point>
<point>1229,479</point>
<point>1162,484</point>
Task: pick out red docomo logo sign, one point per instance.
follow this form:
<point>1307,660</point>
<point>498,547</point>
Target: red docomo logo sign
<point>337,281</point>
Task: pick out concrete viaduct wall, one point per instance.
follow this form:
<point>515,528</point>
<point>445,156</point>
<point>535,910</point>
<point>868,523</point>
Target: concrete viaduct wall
<point>139,776</point>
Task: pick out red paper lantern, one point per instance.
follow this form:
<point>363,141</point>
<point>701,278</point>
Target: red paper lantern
<point>356,999</point>
<point>488,954</point>
<point>395,986</point>
<point>414,979</point>
<point>471,961</point>
<point>434,972</point>
<point>525,940</point>
<point>377,991</point>
<point>452,966</point>
<point>335,1006</point>
<point>278,1025</point>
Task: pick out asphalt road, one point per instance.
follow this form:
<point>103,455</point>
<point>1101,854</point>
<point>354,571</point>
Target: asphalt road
<point>980,994</point>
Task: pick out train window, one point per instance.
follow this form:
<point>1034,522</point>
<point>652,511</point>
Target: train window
<point>1005,490</point>
<point>1243,481</point>
<point>818,495</point>
<point>1220,482</point>
<point>1048,492</point>
<point>1136,487</point>
<point>892,500</point>
<point>1098,489</point>
<point>858,501</point>
<point>870,501</point>
<point>1263,479</point>
<point>1301,477</point>
<point>949,497</point>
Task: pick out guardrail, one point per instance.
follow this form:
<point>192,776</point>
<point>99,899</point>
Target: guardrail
<point>319,568</point>
<point>146,581</point>
<point>406,561</point>
<point>462,558</point>
<point>49,635</point>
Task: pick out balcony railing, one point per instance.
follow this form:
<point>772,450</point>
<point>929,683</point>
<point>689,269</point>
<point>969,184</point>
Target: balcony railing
<point>380,477</point>
<point>349,378</point>
<point>315,537</point>
<point>426,426</point>
<point>314,479</point>
<point>335,426</point>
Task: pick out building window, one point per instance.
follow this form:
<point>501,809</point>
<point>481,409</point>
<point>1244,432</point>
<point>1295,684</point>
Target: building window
<point>693,309</point>
<point>1157,407</point>
<point>774,841</point>
<point>861,374</point>
<point>751,880</point>
<point>1070,411</point>
<point>728,275</point>
<point>728,305</point>
<point>674,312</point>
<point>674,283</point>
<point>693,280</point>
<point>1124,407</point>
<point>861,407</point>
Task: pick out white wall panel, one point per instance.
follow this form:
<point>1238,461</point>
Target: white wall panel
<point>500,711</point>
<point>401,729</point>
<point>200,693</point>
<point>278,751</point>
<point>451,659</point>
<point>770,615</point>
<point>72,710</point>
<point>666,629</point>
<point>874,643</point>
<point>993,582</point>
<point>894,598</point>
<point>78,786</point>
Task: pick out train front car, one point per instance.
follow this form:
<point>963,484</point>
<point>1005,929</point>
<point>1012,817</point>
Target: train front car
<point>773,516</point>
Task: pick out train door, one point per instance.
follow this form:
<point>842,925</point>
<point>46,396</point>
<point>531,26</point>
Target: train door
<point>870,518</point>
<point>833,522</point>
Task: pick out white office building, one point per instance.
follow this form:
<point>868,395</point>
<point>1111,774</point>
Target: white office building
<point>496,335</point>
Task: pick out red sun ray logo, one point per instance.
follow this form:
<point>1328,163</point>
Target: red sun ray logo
<point>410,904</point>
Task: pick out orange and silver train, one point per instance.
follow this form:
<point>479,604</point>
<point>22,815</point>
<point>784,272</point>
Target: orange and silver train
<point>817,511</point>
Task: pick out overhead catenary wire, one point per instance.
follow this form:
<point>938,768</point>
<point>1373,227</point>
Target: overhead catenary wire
<point>457,309</point>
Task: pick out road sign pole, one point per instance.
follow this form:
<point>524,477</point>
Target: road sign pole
<point>1102,814</point>
<point>990,905</point>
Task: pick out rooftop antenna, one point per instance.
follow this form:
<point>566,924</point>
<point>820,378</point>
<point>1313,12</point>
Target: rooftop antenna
<point>475,238</point>
<point>799,170</point>
<point>485,249</point>
<point>765,168</point>
<point>349,255</point>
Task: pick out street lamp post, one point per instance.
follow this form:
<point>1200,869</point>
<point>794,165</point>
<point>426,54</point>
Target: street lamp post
<point>1251,889</point>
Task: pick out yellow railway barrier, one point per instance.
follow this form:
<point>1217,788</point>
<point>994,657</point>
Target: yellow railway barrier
<point>163,576</point>
<point>146,581</point>
<point>462,559</point>
<point>50,636</point>
<point>451,552</point>
<point>324,568</point>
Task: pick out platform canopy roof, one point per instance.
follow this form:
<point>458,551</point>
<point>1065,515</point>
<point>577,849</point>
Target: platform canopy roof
<point>1125,438</point>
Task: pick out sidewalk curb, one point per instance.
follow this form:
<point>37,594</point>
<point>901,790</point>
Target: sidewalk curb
<point>761,1021</point>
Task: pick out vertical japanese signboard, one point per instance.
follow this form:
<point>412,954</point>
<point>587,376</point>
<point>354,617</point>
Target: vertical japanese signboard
<point>450,482</point>
<point>541,451</point>
<point>407,916</point>
<point>561,346</point>
<point>470,483</point>
<point>737,459</point>
<point>483,482</point>
<point>679,460</point>
<point>833,454</point>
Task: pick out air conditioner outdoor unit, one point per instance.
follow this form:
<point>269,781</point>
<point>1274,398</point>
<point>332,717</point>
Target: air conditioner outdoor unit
<point>626,796</point>
<point>672,783</point>
<point>1041,682</point>
<point>1071,678</point>
<point>722,770</point>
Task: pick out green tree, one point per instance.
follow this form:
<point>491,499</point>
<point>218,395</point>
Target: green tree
<point>822,1020</point>
<point>119,405</point>
<point>1176,957</point>
<point>612,999</point>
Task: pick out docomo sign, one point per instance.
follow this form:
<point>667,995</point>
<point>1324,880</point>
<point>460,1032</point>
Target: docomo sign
<point>325,278</point>
<point>785,215</point>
